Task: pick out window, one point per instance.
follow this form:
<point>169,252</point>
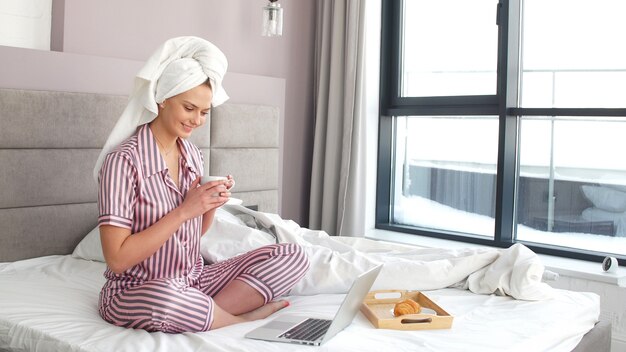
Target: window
<point>503,121</point>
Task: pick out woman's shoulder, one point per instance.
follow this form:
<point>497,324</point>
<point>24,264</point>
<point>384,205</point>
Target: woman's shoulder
<point>126,150</point>
<point>120,161</point>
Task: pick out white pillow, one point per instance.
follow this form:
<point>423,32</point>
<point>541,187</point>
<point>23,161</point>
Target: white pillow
<point>605,198</point>
<point>90,247</point>
<point>227,238</point>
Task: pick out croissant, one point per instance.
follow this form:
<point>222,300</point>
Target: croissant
<point>408,306</point>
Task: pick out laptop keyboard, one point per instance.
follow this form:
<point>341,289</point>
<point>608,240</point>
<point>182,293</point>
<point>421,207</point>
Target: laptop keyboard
<point>309,330</point>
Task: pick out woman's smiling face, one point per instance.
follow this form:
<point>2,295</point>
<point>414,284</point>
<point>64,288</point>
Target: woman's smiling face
<point>183,113</point>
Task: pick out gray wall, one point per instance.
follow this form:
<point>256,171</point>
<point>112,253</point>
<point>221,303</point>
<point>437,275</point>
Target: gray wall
<point>134,29</point>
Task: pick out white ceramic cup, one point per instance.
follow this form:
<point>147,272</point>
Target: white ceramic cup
<point>206,179</point>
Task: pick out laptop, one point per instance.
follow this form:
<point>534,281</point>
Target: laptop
<point>314,331</point>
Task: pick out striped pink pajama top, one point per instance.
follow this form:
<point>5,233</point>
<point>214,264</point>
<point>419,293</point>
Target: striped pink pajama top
<point>171,290</point>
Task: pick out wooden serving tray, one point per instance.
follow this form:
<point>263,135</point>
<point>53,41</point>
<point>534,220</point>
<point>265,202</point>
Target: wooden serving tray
<point>379,311</point>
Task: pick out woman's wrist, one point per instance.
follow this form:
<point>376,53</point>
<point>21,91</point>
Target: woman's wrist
<point>179,215</point>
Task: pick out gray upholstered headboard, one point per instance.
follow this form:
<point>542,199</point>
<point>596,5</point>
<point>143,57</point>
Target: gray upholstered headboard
<point>49,142</point>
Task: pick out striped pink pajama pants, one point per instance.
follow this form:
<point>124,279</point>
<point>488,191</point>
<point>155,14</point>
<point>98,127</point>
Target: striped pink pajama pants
<point>174,305</point>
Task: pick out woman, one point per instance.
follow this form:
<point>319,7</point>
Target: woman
<point>153,209</point>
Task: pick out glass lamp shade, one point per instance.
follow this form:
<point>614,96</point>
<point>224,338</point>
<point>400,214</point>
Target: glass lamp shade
<point>272,20</point>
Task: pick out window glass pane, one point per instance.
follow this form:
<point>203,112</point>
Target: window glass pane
<point>572,182</point>
<point>573,54</point>
<point>444,173</point>
<point>449,48</point>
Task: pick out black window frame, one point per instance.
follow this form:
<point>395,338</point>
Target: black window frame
<point>504,104</point>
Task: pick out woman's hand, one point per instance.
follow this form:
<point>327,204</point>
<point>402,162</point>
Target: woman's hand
<point>201,199</point>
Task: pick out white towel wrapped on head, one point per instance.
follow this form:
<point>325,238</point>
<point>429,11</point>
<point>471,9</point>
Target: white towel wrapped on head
<point>178,65</point>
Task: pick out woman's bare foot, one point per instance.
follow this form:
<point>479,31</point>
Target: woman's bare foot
<point>265,310</point>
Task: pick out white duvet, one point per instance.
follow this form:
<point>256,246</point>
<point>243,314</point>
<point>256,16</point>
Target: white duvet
<point>336,261</point>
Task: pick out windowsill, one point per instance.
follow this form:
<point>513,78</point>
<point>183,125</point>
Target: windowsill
<point>574,268</point>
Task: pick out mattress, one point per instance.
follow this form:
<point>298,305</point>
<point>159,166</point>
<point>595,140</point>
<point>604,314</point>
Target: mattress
<point>50,304</point>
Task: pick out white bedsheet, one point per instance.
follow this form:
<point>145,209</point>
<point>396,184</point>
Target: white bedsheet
<point>50,304</point>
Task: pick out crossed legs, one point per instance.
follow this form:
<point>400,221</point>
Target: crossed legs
<point>243,287</point>
<point>239,289</point>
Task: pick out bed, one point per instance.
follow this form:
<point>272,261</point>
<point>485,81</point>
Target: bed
<point>51,272</point>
